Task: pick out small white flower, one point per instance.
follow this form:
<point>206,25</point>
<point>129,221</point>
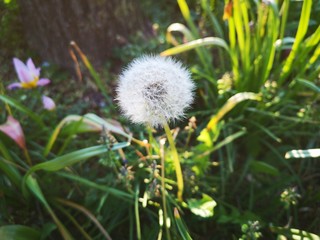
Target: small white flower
<point>153,89</point>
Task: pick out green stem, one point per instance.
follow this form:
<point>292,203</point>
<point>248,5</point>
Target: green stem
<point>136,210</point>
<point>175,161</point>
<point>26,153</point>
<point>163,190</point>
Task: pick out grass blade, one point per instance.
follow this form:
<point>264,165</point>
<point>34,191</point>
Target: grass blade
<point>293,233</point>
<point>230,104</point>
<point>74,157</point>
<point>18,232</point>
<point>113,191</point>
<point>308,84</point>
<point>11,172</point>
<point>301,32</point>
<point>21,108</point>
<point>308,153</point>
<point>57,130</point>
<point>92,71</point>
<point>35,189</point>
<point>178,27</point>
<point>181,226</point>
<point>87,213</point>
<point>87,123</point>
<point>208,41</point>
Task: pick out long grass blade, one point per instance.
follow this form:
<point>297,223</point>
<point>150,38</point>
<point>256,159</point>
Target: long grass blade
<point>113,191</point>
<point>57,130</point>
<point>18,232</point>
<point>301,32</point>
<point>308,84</point>
<point>221,144</point>
<point>293,233</point>
<point>308,153</point>
<point>181,226</point>
<point>92,71</point>
<point>36,190</point>
<point>23,109</point>
<point>187,16</point>
<point>178,27</point>
<point>87,213</point>
<point>205,135</point>
<point>230,104</point>
<point>204,55</point>
<point>88,123</point>
<point>208,41</point>
<point>74,157</point>
<point>11,172</point>
<point>74,221</point>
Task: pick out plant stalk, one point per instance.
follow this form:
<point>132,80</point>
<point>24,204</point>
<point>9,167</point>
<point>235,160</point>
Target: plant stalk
<point>176,161</point>
<point>163,190</point>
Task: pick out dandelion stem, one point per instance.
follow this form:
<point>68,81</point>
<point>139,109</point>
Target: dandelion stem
<point>176,161</point>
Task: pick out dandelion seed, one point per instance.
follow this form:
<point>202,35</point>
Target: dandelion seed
<point>154,90</point>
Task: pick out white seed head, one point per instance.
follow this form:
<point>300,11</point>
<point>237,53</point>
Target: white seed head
<point>153,89</point>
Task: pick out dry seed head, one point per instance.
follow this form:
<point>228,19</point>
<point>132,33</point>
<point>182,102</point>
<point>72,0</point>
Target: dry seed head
<point>153,89</point>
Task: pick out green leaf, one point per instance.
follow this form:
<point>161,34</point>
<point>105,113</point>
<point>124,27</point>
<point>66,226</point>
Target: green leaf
<point>203,207</point>
<point>308,84</point>
<point>47,229</point>
<point>308,153</point>
<point>113,191</point>
<point>295,234</point>
<point>301,32</point>
<point>23,109</point>
<point>34,187</point>
<point>205,135</point>
<point>11,172</point>
<point>184,8</point>
<point>208,41</point>
<point>181,226</point>
<point>57,130</point>
<point>87,123</point>
<point>178,27</point>
<point>230,104</point>
<point>74,157</point>
<point>18,232</point>
<point>109,127</point>
<point>262,167</point>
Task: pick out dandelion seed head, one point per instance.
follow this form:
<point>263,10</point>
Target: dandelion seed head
<point>153,89</point>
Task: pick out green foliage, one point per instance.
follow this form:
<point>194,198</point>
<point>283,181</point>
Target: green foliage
<point>255,52</point>
<point>243,175</point>
<point>18,232</point>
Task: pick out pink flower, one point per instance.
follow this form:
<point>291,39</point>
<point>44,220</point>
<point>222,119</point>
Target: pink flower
<point>28,75</point>
<point>48,103</point>
<point>12,129</point>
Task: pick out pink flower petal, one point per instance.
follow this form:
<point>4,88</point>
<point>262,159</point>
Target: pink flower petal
<point>43,82</point>
<point>12,129</point>
<point>32,68</point>
<point>23,72</point>
<point>13,86</point>
<point>48,103</point>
